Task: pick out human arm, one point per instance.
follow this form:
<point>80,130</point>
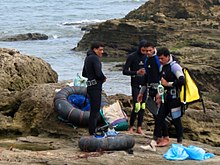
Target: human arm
<point>180,79</point>
<point>128,71</point>
<point>98,69</point>
<point>127,67</point>
<point>84,74</point>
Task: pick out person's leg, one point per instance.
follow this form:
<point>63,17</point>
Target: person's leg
<point>140,121</point>
<point>179,129</point>
<point>132,120</point>
<point>157,135</point>
<point>163,139</point>
<point>134,90</point>
<point>95,102</point>
<point>141,112</point>
<point>175,106</point>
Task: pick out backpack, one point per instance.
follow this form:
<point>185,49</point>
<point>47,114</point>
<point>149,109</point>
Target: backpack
<point>190,92</point>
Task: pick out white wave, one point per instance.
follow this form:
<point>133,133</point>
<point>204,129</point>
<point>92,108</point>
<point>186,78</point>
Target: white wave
<point>83,22</point>
<point>55,36</point>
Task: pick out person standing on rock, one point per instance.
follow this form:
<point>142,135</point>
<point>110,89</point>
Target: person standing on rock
<point>134,67</point>
<point>172,79</point>
<point>153,68</point>
<point>92,70</point>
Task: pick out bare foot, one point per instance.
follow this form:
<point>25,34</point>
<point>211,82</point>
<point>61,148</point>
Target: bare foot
<point>139,131</point>
<point>164,142</point>
<point>131,131</point>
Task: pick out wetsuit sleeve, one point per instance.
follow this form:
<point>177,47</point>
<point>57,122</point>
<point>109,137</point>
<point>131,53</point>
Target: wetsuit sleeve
<point>84,72</point>
<point>177,70</point>
<point>98,70</point>
<point>126,69</point>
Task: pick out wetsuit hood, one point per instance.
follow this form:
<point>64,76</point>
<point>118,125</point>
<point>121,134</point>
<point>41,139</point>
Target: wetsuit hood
<point>89,52</point>
<point>141,44</point>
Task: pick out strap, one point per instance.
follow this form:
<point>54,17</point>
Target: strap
<point>157,61</point>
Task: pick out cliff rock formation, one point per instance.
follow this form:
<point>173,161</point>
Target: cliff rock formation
<point>189,28</point>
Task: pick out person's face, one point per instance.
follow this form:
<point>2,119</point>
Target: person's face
<point>149,51</point>
<point>164,59</point>
<point>99,51</point>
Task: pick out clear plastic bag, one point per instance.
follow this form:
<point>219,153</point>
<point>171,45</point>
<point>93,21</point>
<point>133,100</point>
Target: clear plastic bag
<point>79,81</point>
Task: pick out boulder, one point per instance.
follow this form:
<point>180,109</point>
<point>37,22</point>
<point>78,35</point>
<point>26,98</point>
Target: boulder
<point>20,71</point>
<point>17,73</point>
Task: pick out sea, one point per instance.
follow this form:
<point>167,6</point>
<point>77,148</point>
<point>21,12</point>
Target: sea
<point>62,21</point>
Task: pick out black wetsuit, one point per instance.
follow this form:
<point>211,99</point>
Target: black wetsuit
<point>93,71</point>
<point>152,67</point>
<point>172,99</point>
<point>134,62</point>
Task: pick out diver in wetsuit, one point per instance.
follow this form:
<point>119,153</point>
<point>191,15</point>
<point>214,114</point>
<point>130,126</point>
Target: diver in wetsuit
<point>134,67</point>
<point>92,70</point>
<point>172,78</point>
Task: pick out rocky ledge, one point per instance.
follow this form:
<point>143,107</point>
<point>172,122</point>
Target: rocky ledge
<point>28,86</point>
<point>32,133</point>
<point>191,32</point>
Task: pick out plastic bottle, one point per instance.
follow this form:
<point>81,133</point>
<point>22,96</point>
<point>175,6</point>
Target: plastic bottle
<point>160,90</point>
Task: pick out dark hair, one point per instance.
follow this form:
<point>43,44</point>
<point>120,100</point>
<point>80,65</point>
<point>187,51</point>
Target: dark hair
<point>144,43</point>
<point>96,45</point>
<point>163,51</point>
<point>149,44</point>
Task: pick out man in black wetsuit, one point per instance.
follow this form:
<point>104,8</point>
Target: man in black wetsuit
<point>153,68</point>
<point>172,78</point>
<point>92,70</point>
<point>134,67</point>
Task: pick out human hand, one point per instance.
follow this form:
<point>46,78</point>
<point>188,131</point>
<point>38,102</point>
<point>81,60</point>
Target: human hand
<point>164,82</point>
<point>141,71</point>
<point>158,99</point>
<point>139,97</point>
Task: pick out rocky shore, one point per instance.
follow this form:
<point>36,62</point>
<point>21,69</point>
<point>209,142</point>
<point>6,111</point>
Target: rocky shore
<point>30,130</point>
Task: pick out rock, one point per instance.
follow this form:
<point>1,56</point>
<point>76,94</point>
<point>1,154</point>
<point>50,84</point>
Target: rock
<point>198,9</point>
<point>17,73</point>
<point>191,33</point>
<point>23,37</point>
<point>34,114</point>
<point>60,151</point>
<point>36,106</point>
<point>20,71</point>
<point>26,105</point>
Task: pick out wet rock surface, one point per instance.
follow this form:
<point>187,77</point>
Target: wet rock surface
<point>24,37</point>
<point>191,32</point>
<point>30,130</point>
<point>60,151</point>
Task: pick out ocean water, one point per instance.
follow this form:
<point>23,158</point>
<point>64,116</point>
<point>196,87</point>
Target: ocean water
<point>62,22</point>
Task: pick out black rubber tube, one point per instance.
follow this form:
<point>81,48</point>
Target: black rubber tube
<point>67,111</point>
<point>115,143</point>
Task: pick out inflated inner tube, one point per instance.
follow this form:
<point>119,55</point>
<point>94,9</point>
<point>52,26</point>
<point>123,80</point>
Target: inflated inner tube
<point>109,143</point>
<point>67,111</point>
